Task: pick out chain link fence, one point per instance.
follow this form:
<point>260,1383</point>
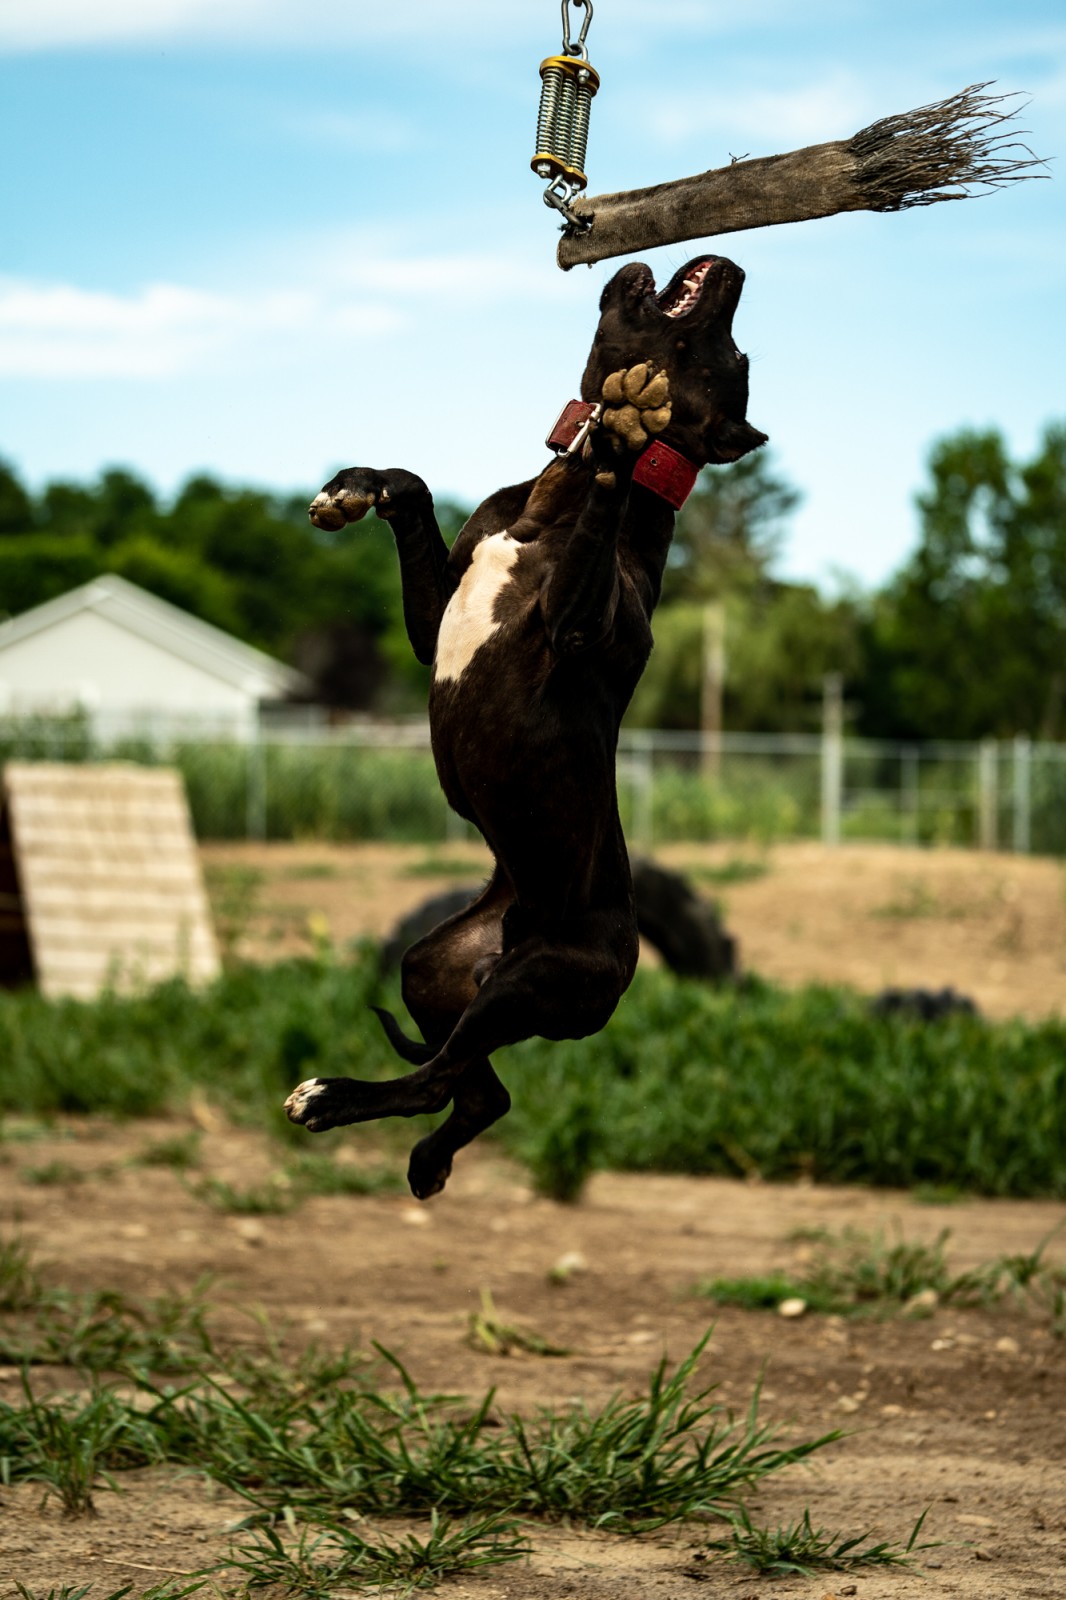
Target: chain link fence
<point>377,782</point>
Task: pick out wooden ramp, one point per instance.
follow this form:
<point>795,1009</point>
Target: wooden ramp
<point>100,882</point>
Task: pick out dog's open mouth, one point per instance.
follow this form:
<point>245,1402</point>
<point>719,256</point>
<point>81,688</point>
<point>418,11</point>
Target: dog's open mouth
<point>683,292</point>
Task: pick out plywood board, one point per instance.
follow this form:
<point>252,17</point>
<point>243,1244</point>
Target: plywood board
<point>106,877</point>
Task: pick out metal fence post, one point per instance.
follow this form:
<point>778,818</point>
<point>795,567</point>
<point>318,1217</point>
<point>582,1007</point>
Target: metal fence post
<point>832,756</point>
<point>909,777</point>
<point>642,745</point>
<point>1023,794</point>
<point>987,794</point>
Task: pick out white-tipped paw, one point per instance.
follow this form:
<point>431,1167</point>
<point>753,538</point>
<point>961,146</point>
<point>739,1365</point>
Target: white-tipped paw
<point>300,1106</point>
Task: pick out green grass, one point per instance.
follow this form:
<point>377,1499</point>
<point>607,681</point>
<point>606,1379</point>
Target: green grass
<point>801,1550</point>
<point>310,1172</point>
<point>855,1273</point>
<point>318,1443</point>
<point>54,1172</point>
<point>685,1078</point>
<point>315,1560</point>
<point>738,869</point>
<point>435,866</point>
<point>20,1281</point>
<point>88,1591</point>
<point>330,1441</point>
<point>96,1330</point>
<point>179,1151</point>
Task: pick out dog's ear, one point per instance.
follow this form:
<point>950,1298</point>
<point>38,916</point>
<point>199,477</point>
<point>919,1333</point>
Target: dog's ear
<point>734,439</point>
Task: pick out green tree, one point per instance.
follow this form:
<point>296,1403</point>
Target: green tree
<point>969,639</point>
<point>730,531</point>
<point>16,507</point>
<point>780,638</point>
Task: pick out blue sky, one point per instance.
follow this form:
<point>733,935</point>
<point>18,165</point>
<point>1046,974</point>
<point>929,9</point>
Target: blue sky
<point>267,239</point>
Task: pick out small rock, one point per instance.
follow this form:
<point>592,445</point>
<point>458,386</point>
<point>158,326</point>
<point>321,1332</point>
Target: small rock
<point>1008,1346</point>
<point>792,1308</point>
<point>922,1303</point>
<point>251,1230</point>
<point>567,1265</point>
<point>415,1217</point>
<point>942,1344</point>
<point>848,1403</point>
<point>133,1230</point>
<point>891,1411</point>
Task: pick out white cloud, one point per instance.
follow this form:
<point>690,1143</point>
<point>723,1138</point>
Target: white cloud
<point>163,330</point>
<point>769,120</point>
<point>53,24</point>
<point>63,331</point>
<point>49,24</point>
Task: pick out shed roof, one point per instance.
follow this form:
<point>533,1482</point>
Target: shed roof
<point>128,606</point>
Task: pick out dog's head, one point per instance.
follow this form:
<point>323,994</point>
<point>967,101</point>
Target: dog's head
<point>685,331</point>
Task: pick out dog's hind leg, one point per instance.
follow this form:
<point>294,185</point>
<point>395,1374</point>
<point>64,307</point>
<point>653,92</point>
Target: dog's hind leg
<point>478,1100</point>
<point>563,989</point>
<point>441,975</point>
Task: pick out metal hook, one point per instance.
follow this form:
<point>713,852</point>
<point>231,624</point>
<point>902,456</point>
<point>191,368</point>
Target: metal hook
<point>579,49</point>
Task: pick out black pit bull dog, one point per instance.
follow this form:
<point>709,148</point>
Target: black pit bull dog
<point>538,626</point>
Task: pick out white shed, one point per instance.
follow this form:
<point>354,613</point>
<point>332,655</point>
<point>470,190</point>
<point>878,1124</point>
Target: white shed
<point>133,662</point>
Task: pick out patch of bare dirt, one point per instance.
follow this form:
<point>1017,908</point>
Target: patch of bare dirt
<point>992,926</point>
<point>961,1413</point>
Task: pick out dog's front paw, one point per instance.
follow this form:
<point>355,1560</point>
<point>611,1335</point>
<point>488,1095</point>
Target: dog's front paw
<point>636,405</point>
<point>346,498</point>
<point>352,493</point>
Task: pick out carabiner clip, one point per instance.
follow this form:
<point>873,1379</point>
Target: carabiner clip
<point>569,48</point>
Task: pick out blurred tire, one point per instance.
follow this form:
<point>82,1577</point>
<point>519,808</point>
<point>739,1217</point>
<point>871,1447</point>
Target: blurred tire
<point>684,928</point>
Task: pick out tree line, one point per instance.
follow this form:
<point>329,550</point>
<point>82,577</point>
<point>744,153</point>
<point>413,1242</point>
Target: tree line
<point>966,640</point>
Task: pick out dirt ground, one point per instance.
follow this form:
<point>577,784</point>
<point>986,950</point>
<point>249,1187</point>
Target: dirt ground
<point>963,1413</point>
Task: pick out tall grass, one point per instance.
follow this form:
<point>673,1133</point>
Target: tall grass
<point>684,1078</point>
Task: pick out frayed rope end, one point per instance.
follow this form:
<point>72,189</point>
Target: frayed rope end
<point>948,150</point>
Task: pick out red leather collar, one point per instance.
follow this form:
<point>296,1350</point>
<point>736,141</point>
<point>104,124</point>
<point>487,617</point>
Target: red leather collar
<point>664,471</point>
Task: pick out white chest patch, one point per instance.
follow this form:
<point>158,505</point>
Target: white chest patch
<point>468,619</point>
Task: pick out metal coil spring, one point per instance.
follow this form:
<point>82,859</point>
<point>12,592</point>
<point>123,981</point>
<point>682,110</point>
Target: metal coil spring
<point>567,88</point>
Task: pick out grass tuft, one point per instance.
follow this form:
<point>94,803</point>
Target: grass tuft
<point>489,1333</point>
<point>311,1564</point>
<point>801,1550</point>
<point>854,1273</point>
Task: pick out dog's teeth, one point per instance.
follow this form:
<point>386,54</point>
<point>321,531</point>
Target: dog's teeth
<point>692,283</point>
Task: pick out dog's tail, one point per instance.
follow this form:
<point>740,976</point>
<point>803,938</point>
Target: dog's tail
<point>408,1049</point>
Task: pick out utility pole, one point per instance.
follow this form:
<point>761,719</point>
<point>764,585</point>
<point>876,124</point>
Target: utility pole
<point>832,756</point>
